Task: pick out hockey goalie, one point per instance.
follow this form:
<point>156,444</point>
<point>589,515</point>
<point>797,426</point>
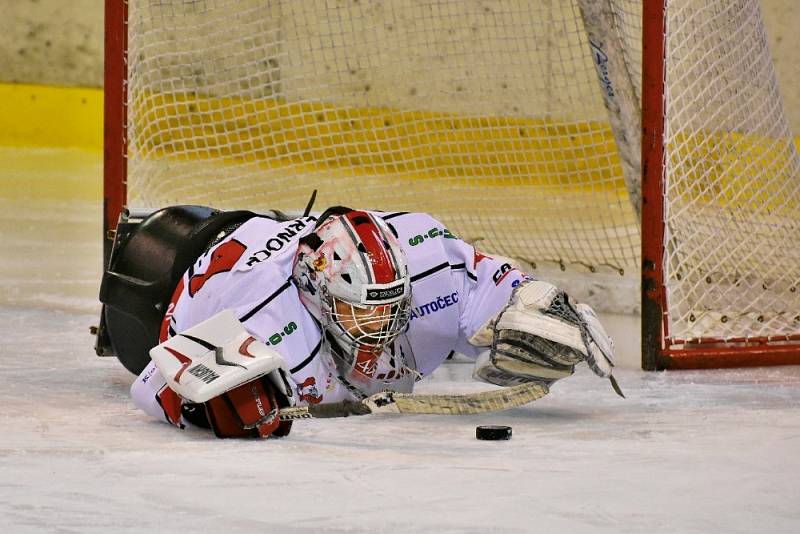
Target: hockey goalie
<point>228,317</point>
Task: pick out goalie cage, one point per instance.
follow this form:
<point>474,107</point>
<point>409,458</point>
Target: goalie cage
<point>490,104</point>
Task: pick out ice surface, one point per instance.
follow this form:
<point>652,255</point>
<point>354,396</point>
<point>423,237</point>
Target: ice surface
<point>689,452</point>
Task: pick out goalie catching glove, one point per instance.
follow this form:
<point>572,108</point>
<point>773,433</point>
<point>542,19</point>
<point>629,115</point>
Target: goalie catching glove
<point>541,335</point>
<point>241,383</point>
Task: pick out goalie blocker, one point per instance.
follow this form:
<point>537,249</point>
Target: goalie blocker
<point>241,383</point>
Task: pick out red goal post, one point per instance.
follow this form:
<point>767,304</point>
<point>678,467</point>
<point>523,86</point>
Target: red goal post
<point>115,119</point>
<point>734,180</point>
<point>517,123</point>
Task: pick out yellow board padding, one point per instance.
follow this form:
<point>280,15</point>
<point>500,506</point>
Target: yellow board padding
<point>45,116</point>
<point>490,150</point>
<point>317,136</point>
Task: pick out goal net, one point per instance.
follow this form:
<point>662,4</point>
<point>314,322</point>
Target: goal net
<point>724,190</point>
<point>516,122</point>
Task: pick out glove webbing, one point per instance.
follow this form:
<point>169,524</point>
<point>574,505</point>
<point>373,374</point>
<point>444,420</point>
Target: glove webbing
<point>562,308</point>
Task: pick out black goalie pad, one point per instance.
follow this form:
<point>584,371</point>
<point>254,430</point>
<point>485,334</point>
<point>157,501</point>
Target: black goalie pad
<point>148,258</point>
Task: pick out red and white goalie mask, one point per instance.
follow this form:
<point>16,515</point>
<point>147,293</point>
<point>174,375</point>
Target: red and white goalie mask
<point>353,278</point>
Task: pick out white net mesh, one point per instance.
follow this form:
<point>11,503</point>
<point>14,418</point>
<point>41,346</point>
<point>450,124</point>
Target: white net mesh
<point>733,194</point>
<point>486,114</point>
<point>490,115</point>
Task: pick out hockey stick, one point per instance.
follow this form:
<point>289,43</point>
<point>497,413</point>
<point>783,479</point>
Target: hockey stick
<point>408,403</point>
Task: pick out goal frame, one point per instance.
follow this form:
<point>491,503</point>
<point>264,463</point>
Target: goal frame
<point>659,351</point>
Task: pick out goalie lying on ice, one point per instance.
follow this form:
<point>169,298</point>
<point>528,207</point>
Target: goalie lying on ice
<point>273,312</point>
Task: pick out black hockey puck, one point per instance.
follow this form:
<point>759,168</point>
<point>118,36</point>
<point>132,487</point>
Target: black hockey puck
<point>493,432</point>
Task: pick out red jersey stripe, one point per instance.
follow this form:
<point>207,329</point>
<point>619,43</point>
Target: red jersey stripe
<point>164,332</point>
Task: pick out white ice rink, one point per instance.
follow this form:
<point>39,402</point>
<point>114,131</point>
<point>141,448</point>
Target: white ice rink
<point>686,452</point>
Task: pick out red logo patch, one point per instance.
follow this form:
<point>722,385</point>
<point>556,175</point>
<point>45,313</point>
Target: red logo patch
<point>309,392</point>
<point>222,260</point>
<point>478,258</point>
<point>185,360</point>
<point>243,347</point>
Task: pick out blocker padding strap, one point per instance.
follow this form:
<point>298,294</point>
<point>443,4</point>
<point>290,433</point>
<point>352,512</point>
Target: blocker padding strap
<point>146,264</point>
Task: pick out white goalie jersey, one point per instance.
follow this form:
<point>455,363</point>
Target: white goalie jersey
<point>455,291</point>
